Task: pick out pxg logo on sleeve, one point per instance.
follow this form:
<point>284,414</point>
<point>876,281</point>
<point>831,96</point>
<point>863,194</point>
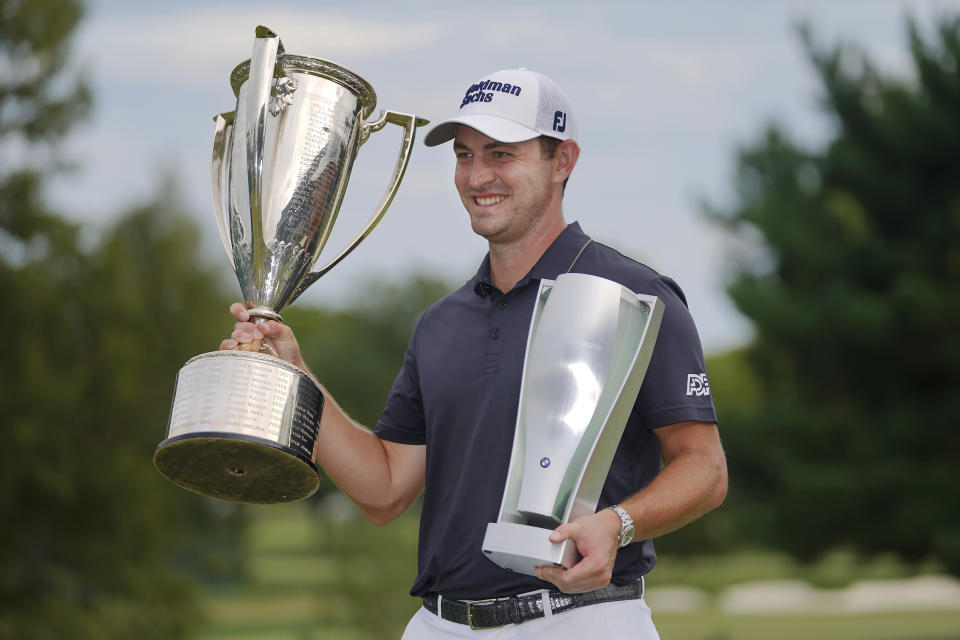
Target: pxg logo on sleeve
<point>697,384</point>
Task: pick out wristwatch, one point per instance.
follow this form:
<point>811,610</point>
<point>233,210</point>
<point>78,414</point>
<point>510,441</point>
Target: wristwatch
<point>626,525</point>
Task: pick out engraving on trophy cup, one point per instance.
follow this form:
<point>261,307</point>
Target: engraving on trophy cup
<point>588,349</point>
<point>243,425</point>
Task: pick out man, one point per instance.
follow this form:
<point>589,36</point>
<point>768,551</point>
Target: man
<point>447,427</point>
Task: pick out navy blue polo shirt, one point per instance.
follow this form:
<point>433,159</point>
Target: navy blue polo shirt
<point>458,392</point>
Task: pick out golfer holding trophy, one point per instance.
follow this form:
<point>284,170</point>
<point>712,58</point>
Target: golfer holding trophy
<point>553,412</point>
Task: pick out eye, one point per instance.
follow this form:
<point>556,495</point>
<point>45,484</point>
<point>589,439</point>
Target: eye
<point>500,155</point>
<point>463,156</point>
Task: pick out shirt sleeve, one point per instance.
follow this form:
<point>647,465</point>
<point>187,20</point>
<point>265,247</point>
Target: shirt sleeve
<point>402,418</point>
<point>675,388</point>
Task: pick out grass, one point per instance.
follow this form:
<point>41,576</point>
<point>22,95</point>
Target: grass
<point>833,571</point>
<point>313,576</point>
<point>899,626</point>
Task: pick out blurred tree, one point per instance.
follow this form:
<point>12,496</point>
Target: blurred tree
<point>735,390</point>
<point>40,96</point>
<point>92,536</point>
<point>357,351</point>
<point>855,296</point>
<point>96,544</point>
<point>40,99</point>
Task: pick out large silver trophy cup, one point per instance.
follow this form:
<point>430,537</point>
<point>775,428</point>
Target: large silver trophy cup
<point>588,350</point>
<point>242,424</point>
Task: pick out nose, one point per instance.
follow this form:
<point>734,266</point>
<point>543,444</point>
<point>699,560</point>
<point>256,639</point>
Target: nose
<point>480,173</point>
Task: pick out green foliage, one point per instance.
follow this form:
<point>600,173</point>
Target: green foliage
<point>319,573</point>
<point>94,543</point>
<point>99,545</point>
<point>735,390</point>
<point>38,100</point>
<point>375,568</point>
<point>715,573</point>
<point>328,574</point>
<point>357,351</point>
<point>855,297</point>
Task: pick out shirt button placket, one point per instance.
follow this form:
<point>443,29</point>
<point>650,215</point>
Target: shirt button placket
<point>493,349</point>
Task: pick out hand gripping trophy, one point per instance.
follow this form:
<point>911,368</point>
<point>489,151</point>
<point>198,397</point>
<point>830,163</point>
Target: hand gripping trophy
<point>243,425</point>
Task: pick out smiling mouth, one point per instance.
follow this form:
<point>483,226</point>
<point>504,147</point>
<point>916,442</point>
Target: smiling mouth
<point>485,201</point>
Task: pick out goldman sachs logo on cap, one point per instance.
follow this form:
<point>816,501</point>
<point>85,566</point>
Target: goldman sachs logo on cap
<point>484,91</point>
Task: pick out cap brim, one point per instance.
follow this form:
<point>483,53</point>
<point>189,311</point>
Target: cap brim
<point>500,129</point>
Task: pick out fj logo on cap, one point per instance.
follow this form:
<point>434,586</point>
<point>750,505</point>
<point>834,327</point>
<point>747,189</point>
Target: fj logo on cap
<point>559,122</point>
<point>483,91</point>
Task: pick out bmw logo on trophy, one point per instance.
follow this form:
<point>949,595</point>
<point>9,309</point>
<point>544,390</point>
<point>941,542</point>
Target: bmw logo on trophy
<point>243,425</point>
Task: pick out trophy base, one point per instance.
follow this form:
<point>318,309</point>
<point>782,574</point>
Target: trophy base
<point>242,428</point>
<point>522,548</point>
<point>236,468</point>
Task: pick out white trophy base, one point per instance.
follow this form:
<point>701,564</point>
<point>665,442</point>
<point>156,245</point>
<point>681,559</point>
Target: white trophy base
<point>522,548</point>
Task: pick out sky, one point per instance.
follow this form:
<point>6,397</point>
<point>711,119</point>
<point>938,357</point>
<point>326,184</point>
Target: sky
<point>665,94</point>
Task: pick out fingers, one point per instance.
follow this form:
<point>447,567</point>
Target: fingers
<point>561,533</point>
<point>239,312</point>
<point>275,330</point>
<point>246,336</point>
<point>594,570</point>
<point>249,334</point>
<point>586,575</point>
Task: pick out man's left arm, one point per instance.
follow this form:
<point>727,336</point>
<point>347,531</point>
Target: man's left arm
<point>692,482</point>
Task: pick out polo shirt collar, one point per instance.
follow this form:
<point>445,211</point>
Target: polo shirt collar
<point>557,259</point>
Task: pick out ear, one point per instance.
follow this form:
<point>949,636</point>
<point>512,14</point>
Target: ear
<point>565,159</point>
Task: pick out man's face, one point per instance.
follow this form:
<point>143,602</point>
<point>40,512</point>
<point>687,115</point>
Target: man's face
<point>505,187</point>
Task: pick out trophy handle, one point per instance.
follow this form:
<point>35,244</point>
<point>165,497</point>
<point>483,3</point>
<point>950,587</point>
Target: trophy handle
<point>409,123</point>
<point>218,169</point>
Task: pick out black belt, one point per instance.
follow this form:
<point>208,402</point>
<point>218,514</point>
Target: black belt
<point>497,612</point>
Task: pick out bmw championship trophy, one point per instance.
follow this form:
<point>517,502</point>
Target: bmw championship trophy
<point>243,425</point>
<point>588,349</point>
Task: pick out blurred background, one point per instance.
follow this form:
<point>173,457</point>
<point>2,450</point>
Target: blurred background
<point>793,165</point>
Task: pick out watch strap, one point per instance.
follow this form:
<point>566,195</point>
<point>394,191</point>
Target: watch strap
<point>626,525</point>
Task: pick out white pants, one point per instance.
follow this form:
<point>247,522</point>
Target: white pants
<point>621,619</point>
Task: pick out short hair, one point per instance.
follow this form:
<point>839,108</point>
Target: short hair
<point>548,149</point>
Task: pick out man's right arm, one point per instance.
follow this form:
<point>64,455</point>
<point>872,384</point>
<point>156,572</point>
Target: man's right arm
<point>383,478</point>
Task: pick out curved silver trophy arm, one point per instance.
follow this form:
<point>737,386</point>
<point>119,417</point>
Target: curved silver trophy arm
<point>409,123</point>
<point>223,131</point>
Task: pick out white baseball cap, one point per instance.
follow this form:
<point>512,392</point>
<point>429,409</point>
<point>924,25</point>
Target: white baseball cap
<point>511,105</point>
